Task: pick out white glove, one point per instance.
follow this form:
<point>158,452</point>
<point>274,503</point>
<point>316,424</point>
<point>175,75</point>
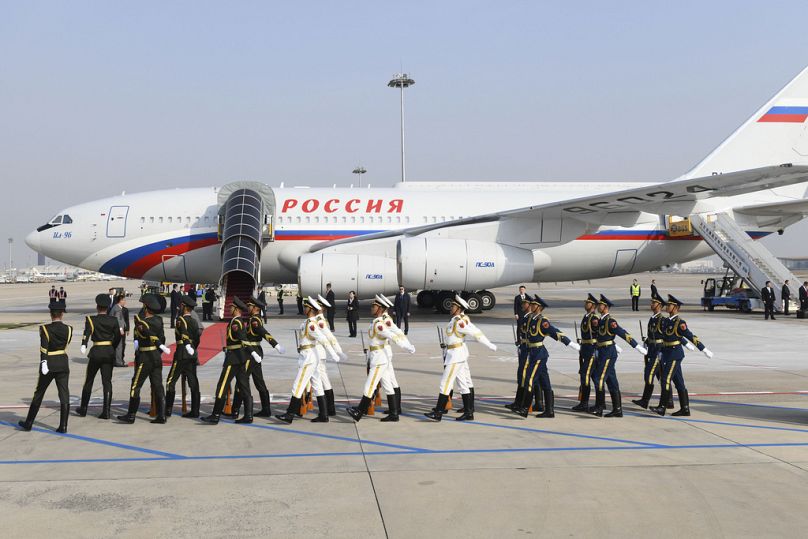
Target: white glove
<point>136,345</point>
<point>342,356</point>
<point>84,349</point>
<point>689,346</point>
<point>411,349</point>
<point>619,350</point>
<point>641,349</point>
<point>280,349</point>
<point>575,346</point>
<point>335,358</point>
<point>491,346</point>
<point>256,357</point>
<point>707,353</point>
<point>44,367</point>
<point>189,349</point>
<point>165,349</point>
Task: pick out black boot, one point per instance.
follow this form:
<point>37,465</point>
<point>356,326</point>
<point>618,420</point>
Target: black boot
<point>236,405</point>
<point>134,403</point>
<point>646,396</point>
<point>24,425</point>
<point>464,408</point>
<point>29,420</point>
<point>617,404</point>
<point>600,403</point>
<point>468,408</point>
<point>549,405</point>
<point>160,418</point>
<point>64,413</point>
<point>265,407</point>
<point>331,406</point>
<point>669,403</point>
<point>213,418</point>
<point>169,403</point>
<point>105,410</point>
<point>662,400</point>
<point>291,411</point>
<point>81,411</point>
<point>397,392</point>
<point>538,396</point>
<point>194,413</point>
<point>684,402</point>
<point>322,410</point>
<point>517,400</point>
<point>248,412</point>
<point>583,406</point>
<point>392,414</point>
<point>356,412</point>
<point>437,413</point>
<point>524,406</point>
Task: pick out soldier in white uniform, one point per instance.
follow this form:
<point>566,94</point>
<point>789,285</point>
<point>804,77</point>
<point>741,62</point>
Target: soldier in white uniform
<point>455,364</point>
<point>308,365</point>
<point>380,333</point>
<point>322,370</point>
<point>401,340</point>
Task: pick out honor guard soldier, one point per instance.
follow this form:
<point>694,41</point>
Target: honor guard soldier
<point>236,365</point>
<point>105,332</point>
<point>325,327</point>
<point>522,350</point>
<point>455,363</point>
<point>256,332</point>
<point>53,365</point>
<point>150,341</point>
<point>607,329</point>
<point>186,336</point>
<point>380,332</point>
<point>653,341</point>
<point>587,353</point>
<point>539,328</point>
<point>674,333</point>
<point>401,340</point>
<point>310,336</point>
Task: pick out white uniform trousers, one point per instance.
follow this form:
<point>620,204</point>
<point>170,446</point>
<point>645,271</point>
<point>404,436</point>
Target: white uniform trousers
<point>456,372</point>
<point>322,371</point>
<point>307,373</point>
<point>376,375</point>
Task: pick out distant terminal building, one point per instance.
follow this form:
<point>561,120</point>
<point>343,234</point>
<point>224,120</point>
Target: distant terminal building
<point>795,264</point>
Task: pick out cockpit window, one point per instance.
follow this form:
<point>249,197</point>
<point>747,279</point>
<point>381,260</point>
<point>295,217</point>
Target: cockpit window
<point>56,220</point>
<point>66,220</point>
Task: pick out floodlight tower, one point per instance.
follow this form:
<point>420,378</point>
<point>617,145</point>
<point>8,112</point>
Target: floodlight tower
<point>401,81</point>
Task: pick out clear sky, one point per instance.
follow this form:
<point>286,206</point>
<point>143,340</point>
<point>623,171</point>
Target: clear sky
<point>101,97</point>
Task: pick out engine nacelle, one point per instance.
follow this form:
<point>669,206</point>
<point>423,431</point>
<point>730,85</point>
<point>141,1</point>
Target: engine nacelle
<point>366,274</point>
<point>452,264</point>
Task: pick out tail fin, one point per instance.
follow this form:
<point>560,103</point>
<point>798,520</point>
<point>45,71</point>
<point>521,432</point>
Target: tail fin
<point>777,133</point>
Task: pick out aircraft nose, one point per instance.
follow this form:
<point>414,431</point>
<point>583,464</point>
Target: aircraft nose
<point>32,240</point>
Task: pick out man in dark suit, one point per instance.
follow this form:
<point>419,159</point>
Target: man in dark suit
<point>175,303</point>
<point>654,291</point>
<point>262,297</point>
<point>402,308</point>
<point>352,313</point>
<point>804,296</point>
<point>767,295</point>
<point>785,295</point>
<point>330,311</point>
<point>517,302</point>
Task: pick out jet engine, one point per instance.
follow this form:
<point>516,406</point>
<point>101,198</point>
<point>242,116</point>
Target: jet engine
<point>367,275</point>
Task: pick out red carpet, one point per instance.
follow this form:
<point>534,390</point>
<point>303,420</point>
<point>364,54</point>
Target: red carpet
<point>213,340</point>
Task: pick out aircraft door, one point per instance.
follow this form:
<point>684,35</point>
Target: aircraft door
<point>116,221</point>
<point>624,261</point>
<point>174,269</point>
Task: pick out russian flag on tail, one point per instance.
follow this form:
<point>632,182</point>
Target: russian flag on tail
<point>785,114</point>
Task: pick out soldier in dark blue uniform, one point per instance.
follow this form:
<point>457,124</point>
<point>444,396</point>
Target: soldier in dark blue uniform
<point>607,329</point>
<point>186,336</point>
<point>653,341</point>
<point>674,333</point>
<point>586,356</point>
<point>53,365</point>
<point>104,331</point>
<point>521,346</point>
<point>150,345</point>
<point>539,328</point>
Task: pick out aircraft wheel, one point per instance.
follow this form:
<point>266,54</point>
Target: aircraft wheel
<point>444,304</point>
<point>425,299</point>
<point>475,302</point>
<point>488,300</point>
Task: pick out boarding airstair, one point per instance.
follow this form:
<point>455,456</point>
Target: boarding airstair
<point>746,257</point>
<point>245,227</point>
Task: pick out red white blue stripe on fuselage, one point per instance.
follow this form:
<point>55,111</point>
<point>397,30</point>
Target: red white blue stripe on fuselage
<point>136,262</point>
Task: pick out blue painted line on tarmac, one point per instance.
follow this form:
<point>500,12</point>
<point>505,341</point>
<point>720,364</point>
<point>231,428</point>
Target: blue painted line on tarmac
<point>751,405</point>
<point>100,441</point>
<point>725,423</point>
<point>544,431</point>
<point>334,437</point>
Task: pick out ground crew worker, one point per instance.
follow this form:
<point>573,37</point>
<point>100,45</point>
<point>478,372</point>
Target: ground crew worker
<point>634,290</point>
<point>53,365</point>
<point>539,328</point>
<point>455,363</point>
<point>605,374</point>
<point>105,332</point>
<point>522,322</point>
<point>325,327</point>
<point>150,341</point>
<point>653,341</point>
<point>236,365</point>
<point>674,331</point>
<point>256,332</point>
<point>307,372</point>
<point>587,353</point>
<point>400,338</point>
<point>380,332</point>
<point>186,335</point>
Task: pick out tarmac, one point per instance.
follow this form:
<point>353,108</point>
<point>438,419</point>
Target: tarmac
<point>737,467</point>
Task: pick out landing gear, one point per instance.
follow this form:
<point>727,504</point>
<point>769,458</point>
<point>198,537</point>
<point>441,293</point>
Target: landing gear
<point>425,299</point>
<point>488,300</point>
<point>474,300</point>
<point>478,301</point>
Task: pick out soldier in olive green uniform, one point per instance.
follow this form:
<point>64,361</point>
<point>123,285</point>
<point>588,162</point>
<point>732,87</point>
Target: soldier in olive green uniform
<point>105,332</point>
<point>186,336</point>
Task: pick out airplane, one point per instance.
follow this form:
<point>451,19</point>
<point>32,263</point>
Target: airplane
<point>441,237</point>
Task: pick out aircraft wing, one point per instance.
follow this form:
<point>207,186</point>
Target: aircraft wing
<point>623,208</point>
<point>777,209</point>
